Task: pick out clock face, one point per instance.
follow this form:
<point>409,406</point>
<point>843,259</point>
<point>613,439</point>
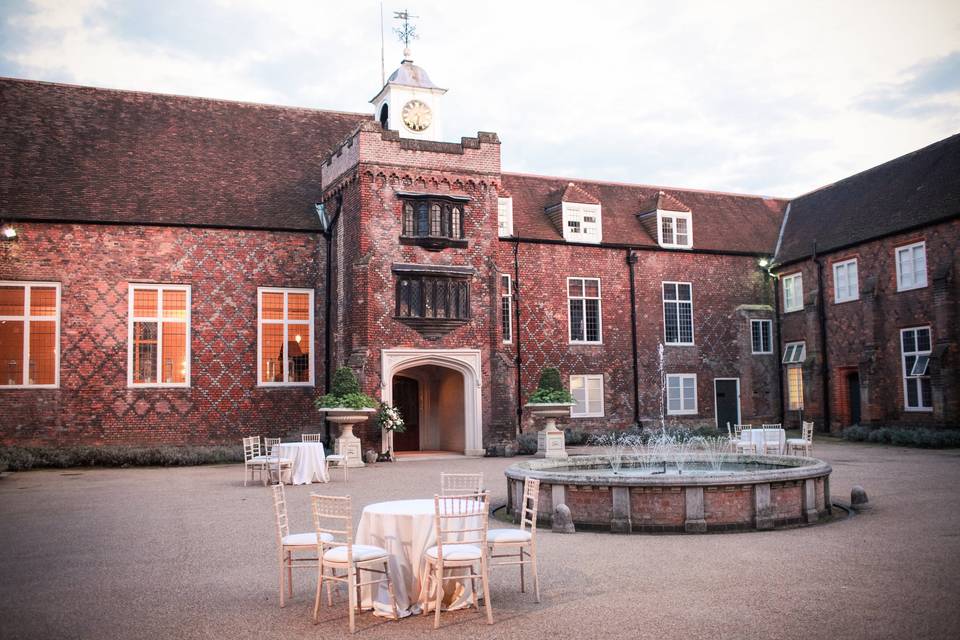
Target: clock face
<point>416,115</point>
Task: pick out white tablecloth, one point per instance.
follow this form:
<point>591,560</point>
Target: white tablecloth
<point>309,462</point>
<point>406,529</point>
<point>756,436</point>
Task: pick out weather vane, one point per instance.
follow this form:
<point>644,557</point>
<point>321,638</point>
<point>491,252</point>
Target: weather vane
<point>407,32</point>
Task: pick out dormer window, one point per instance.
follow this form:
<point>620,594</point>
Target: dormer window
<point>581,222</point>
<point>674,229</point>
<point>432,222</point>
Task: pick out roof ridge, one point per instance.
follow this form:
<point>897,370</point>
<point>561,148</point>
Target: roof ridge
<point>181,96</point>
<point>645,186</point>
<point>891,161</point>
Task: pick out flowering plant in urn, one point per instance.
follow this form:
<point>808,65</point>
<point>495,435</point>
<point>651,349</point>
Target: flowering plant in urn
<point>550,401</point>
<point>346,406</point>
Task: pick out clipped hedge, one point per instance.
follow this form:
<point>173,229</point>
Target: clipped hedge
<point>904,436</point>
<point>25,458</point>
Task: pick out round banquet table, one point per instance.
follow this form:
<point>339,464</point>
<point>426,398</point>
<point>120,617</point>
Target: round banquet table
<point>406,529</point>
<point>756,436</point>
<point>309,462</point>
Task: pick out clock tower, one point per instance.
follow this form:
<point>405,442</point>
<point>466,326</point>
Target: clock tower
<point>410,103</point>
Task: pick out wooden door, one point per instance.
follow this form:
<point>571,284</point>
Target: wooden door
<point>406,398</point>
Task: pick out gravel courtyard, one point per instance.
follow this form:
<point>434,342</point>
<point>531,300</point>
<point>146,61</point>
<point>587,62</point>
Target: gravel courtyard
<point>191,553</point>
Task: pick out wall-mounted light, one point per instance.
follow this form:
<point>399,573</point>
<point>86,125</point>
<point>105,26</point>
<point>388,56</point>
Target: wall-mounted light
<point>764,263</point>
<point>7,232</point>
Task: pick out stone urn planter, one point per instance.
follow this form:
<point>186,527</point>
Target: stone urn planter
<point>550,443</point>
<point>348,445</point>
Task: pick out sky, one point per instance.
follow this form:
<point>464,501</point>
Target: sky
<point>773,98</point>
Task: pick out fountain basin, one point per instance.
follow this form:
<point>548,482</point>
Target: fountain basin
<point>738,492</point>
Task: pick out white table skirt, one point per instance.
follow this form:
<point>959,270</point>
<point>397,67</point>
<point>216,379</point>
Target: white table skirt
<point>309,462</point>
<point>756,436</point>
<point>406,529</point>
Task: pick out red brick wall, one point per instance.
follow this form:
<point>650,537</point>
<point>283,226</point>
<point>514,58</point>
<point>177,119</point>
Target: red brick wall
<point>786,499</point>
<point>94,264</point>
<point>864,335</point>
<point>730,504</point>
<point>656,506</point>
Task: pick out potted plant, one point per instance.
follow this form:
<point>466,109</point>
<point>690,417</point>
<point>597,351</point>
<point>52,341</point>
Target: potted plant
<point>390,422</point>
<point>346,406</point>
<point>550,401</point>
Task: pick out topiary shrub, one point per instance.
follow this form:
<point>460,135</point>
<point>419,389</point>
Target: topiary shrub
<point>25,458</point>
<point>345,392</point>
<point>550,390</point>
<point>904,436</point>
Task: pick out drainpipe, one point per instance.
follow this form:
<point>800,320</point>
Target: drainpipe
<point>631,261</point>
<point>516,329</point>
<point>822,317</point>
<point>779,351</point>
<point>328,308</point>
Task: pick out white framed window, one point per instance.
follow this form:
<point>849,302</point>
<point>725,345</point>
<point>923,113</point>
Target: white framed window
<point>794,387</point>
<point>846,284</point>
<point>581,222</point>
<point>506,308</point>
<point>912,266</point>
<point>158,335</point>
<point>760,336</point>
<point>583,307</point>
<point>678,313</point>
<point>29,335</point>
<point>504,217</point>
<point>285,337</point>
<point>675,229</point>
<point>915,350</point>
<point>792,292</point>
<point>794,352</point>
<point>588,394</point>
<point>681,394</point>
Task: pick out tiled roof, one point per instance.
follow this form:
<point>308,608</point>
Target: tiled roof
<point>663,202</point>
<point>570,193</point>
<point>913,190</point>
<point>101,155</point>
<point>722,221</point>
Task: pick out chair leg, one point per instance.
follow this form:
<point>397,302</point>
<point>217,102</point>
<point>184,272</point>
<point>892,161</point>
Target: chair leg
<point>393,597</point>
<point>476,594</point>
<point>290,573</point>
<point>438,602</point>
<point>316,599</point>
<point>281,577</point>
<point>522,587</point>
<point>351,596</point>
<point>485,578</point>
<point>536,576</point>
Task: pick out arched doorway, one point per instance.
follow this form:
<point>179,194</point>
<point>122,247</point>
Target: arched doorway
<point>443,388</point>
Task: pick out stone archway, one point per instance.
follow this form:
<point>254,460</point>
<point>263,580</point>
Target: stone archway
<point>464,361</point>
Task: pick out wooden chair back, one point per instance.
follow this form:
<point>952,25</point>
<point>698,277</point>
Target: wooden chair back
<point>771,433</point>
<point>251,448</point>
<point>807,432</point>
<point>460,483</point>
<point>528,508</point>
<point>738,429</point>
<point>310,437</point>
<point>333,515</point>
<point>280,508</point>
<point>461,519</point>
<point>268,444</point>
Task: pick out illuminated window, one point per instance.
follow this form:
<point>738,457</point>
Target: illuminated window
<point>285,336</point>
<point>794,387</point>
<point>158,350</point>
<point>588,395</point>
<point>29,333</point>
<point>583,297</point>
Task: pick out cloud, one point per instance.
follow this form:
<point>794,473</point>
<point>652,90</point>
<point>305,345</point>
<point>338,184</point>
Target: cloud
<point>744,95</point>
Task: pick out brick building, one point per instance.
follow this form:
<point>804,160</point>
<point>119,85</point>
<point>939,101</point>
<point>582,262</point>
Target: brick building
<point>189,270</point>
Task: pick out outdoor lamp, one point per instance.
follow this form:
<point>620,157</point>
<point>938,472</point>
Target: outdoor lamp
<point>764,263</point>
<point>8,232</point>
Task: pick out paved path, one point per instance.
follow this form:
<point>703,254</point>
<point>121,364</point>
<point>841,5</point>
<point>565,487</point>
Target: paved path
<point>190,553</point>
